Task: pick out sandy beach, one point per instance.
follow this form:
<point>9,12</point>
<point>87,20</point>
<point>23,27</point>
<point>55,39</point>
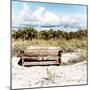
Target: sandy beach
<point>44,76</point>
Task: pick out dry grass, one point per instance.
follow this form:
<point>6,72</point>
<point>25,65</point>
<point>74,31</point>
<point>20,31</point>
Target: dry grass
<point>66,45</point>
<point>82,56</point>
<point>50,75</point>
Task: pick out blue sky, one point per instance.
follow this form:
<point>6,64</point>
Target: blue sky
<point>45,15</point>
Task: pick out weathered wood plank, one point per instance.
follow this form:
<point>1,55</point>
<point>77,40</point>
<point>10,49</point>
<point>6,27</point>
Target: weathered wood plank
<point>36,53</point>
<point>41,63</point>
<point>40,58</point>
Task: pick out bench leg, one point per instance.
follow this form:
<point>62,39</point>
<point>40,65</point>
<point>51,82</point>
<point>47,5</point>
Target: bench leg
<point>59,60</point>
<point>22,62</point>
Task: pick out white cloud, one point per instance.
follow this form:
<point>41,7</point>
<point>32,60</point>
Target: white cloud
<point>25,11</point>
<point>38,14</point>
<point>50,18</point>
<point>22,16</point>
<point>41,16</point>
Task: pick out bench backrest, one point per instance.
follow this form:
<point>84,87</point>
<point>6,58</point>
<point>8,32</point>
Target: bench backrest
<point>42,52</point>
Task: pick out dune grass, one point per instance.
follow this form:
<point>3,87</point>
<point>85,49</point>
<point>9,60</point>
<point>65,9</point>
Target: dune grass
<point>82,56</point>
<point>67,45</point>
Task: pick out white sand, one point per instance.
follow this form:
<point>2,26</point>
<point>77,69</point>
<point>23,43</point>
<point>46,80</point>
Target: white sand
<point>43,76</point>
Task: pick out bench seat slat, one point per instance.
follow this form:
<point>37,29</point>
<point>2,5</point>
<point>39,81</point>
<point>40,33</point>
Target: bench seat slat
<point>42,63</point>
<point>40,58</point>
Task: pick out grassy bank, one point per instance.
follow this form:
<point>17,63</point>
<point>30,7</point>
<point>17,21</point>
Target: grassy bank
<point>67,45</point>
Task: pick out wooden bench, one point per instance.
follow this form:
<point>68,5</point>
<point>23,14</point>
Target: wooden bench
<point>41,57</point>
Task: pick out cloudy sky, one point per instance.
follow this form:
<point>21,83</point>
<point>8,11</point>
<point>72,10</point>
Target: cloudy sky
<point>48,15</point>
